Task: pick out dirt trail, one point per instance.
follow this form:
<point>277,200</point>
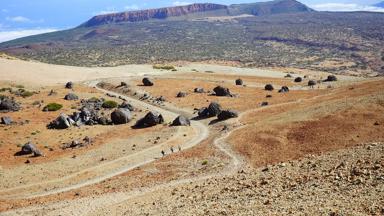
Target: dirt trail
<point>110,169</point>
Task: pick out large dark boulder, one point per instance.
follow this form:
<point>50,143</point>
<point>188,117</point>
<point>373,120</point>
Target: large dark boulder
<point>9,105</point>
<point>298,79</point>
<point>181,121</point>
<point>199,90</point>
<point>147,82</point>
<point>149,120</point>
<point>61,122</point>
<point>331,78</point>
<point>121,116</point>
<point>71,96</point>
<point>126,105</point>
<point>6,120</point>
<point>227,114</point>
<point>212,110</point>
<point>269,87</point>
<point>311,82</point>
<point>30,148</point>
<point>181,94</point>
<point>69,85</point>
<point>284,89</point>
<point>222,91</point>
<point>239,82</point>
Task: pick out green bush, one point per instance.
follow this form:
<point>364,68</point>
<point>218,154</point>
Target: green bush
<point>25,94</point>
<point>204,163</point>
<point>164,67</point>
<point>109,104</point>
<point>53,107</point>
<point>20,86</point>
<point>5,89</point>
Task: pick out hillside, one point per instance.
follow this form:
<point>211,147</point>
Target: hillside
<point>283,34</point>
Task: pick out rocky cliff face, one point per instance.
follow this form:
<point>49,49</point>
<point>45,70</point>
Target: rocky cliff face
<point>160,13</point>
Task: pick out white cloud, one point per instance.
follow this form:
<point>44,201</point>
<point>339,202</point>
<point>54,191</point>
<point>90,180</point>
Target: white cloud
<point>180,3</point>
<point>345,7</point>
<point>132,7</point>
<point>4,10</point>
<point>10,35</point>
<point>18,19</point>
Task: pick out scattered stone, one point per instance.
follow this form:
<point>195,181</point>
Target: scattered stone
<point>149,120</point>
<point>61,122</point>
<point>181,94</point>
<point>239,82</point>
<point>199,90</point>
<point>222,91</point>
<point>269,87</point>
<point>121,116</point>
<point>147,82</point>
<point>181,121</point>
<point>288,76</point>
<point>6,120</point>
<point>30,148</point>
<point>298,79</point>
<point>71,96</point>
<point>268,96</point>
<point>264,104</point>
<point>227,114</point>
<point>161,99</point>
<point>69,85</point>
<point>284,89</point>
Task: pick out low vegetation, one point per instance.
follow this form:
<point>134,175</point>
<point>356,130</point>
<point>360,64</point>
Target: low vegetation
<point>109,104</point>
<point>53,107</point>
<point>164,67</point>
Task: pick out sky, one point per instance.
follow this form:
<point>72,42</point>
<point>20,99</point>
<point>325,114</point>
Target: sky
<point>19,18</point>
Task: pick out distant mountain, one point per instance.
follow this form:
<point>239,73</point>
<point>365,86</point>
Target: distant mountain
<point>283,33</point>
<point>380,4</point>
<point>203,10</point>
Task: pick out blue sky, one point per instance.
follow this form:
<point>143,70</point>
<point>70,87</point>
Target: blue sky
<point>26,17</point>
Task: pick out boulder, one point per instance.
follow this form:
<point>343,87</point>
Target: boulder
<point>30,148</point>
<point>71,96</point>
<point>147,82</point>
<point>199,90</point>
<point>149,120</point>
<point>181,121</point>
<point>222,91</point>
<point>269,87</point>
<point>284,89</point>
<point>121,116</point>
<point>6,120</point>
<point>298,79</point>
<point>61,122</point>
<point>181,94</point>
<point>264,103</point>
<point>126,105</point>
<point>227,114</point>
<point>331,78</point>
<point>288,76</point>
<point>9,105</point>
<point>69,85</point>
<point>123,84</point>
<point>212,110</point>
<point>239,82</point>
<point>311,82</point>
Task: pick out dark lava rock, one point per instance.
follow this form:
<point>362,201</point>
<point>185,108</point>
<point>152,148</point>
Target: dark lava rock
<point>69,85</point>
<point>227,114</point>
<point>61,122</point>
<point>6,120</point>
<point>284,89</point>
<point>222,91</point>
<point>199,90</point>
<point>212,110</point>
<point>331,78</point>
<point>121,116</point>
<point>269,87</point>
<point>71,96</point>
<point>128,106</point>
<point>149,120</point>
<point>181,94</point>
<point>264,104</point>
<point>298,79</point>
<point>239,82</point>
<point>181,121</point>
<point>147,82</point>
<point>9,105</point>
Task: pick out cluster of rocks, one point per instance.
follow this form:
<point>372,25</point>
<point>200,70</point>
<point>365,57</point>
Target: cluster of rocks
<point>9,105</point>
<point>214,109</point>
<point>76,144</point>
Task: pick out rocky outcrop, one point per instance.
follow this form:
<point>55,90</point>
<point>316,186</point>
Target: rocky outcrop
<point>143,15</point>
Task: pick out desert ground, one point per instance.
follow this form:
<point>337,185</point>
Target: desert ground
<point>312,150</point>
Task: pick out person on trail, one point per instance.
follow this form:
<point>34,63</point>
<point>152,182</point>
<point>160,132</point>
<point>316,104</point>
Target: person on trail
<point>163,153</point>
<point>172,149</point>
